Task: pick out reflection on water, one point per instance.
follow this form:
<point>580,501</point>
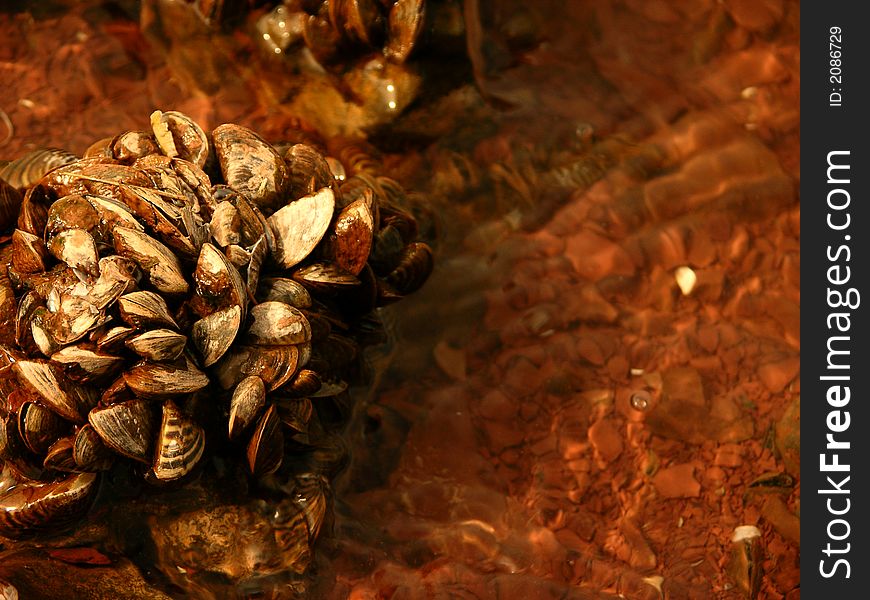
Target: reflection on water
<point>559,414</point>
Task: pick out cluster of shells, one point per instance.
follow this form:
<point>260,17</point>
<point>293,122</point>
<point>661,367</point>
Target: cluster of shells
<point>170,280</point>
<point>327,27</point>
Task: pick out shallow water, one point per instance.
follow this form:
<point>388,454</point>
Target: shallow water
<point>586,397</point>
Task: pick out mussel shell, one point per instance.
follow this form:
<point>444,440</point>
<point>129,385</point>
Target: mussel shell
<point>145,309</point>
<point>69,400</point>
<point>30,168</point>
<point>276,323</point>
<point>299,226</point>
<point>10,202</point>
<point>275,365</point>
<point>413,270</point>
<point>89,451</point>
<point>266,447</point>
<point>39,427</point>
<point>34,506</point>
<point>162,380</point>
<point>295,413</point>
<point>189,141</point>
<point>180,444</point>
<point>247,401</point>
<point>214,334</point>
<point>85,364</point>
<point>325,277</point>
<point>59,456</point>
<point>403,28</point>
<point>158,345</point>
<point>126,427</point>
<point>306,383</point>
<point>308,169</point>
<point>154,258</point>
<point>251,166</point>
<point>283,290</point>
<point>349,241</point>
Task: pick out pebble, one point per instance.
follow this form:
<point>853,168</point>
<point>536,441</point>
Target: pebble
<point>677,481</point>
<point>728,455</point>
<point>496,406</point>
<point>595,257</point>
<point>606,439</point>
<point>777,374</point>
<point>756,15</point>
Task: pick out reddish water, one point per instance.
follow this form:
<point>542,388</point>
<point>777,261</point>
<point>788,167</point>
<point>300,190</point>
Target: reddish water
<point>555,417</point>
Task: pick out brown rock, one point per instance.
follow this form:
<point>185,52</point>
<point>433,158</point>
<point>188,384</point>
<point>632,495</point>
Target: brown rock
<point>756,15</point>
<point>728,455</point>
<point>677,481</point>
<point>776,375</point>
<point>788,437</point>
<point>606,440</point>
<point>595,257</point>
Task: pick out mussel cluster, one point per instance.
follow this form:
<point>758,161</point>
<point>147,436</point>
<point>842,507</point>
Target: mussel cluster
<point>328,27</point>
<point>173,295</point>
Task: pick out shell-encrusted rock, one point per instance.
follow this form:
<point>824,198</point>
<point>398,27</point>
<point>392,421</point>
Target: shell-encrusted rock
<point>251,166</point>
<point>299,226</point>
<point>266,446</point>
<point>158,345</point>
<point>180,444</point>
<point>161,380</point>
<point>159,262</point>
<point>127,428</point>
<point>276,323</point>
<point>247,401</point>
<point>33,506</point>
<point>213,335</point>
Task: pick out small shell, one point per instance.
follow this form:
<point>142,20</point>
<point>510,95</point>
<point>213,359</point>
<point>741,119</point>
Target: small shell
<point>251,166</point>
<point>113,338</point>
<point>10,203</point>
<point>214,334</point>
<point>179,135</point>
<point>226,225</point>
<point>218,281</point>
<point>295,413</point>
<point>306,383</point>
<point>67,399</point>
<point>248,400</point>
<point>126,427</point>
<point>130,145</point>
<point>299,226</point>
<point>275,365</point>
<point>309,170</point>
<point>403,28</point>
<point>29,254</point>
<point>84,364</point>
<point>33,506</point>
<point>73,211</point>
<point>60,456</point>
<point>158,345</point>
<point>276,323</point>
<point>349,241</point>
<point>180,444</point>
<point>153,380</point>
<point>30,168</point>
<point>89,451</point>
<point>325,277</point>
<point>143,309</point>
<point>414,268</point>
<point>155,259</point>
<point>76,248</point>
<point>284,290</point>
<point>266,447</point>
<point>39,427</point>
